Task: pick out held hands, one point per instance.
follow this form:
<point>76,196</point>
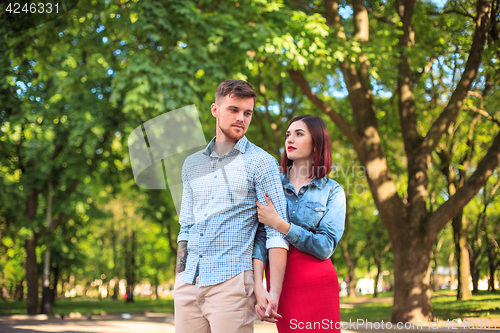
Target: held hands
<point>267,304</point>
<point>267,214</point>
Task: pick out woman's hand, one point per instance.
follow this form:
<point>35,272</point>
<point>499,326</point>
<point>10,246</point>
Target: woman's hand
<point>265,307</point>
<point>269,216</point>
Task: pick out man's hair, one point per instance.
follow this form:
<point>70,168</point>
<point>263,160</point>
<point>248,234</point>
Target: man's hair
<point>321,143</point>
<point>236,88</point>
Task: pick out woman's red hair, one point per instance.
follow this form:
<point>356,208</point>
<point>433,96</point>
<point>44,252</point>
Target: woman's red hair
<point>321,144</point>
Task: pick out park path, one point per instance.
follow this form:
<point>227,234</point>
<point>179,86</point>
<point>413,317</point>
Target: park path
<point>150,323</point>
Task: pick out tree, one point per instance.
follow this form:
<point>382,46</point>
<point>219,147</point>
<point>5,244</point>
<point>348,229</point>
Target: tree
<point>365,61</point>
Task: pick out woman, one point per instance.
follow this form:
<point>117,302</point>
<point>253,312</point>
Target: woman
<point>316,210</point>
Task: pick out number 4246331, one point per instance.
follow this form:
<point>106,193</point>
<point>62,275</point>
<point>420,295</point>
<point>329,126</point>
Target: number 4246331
<point>41,8</point>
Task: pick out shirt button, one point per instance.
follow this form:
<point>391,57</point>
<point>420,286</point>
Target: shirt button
<point>296,200</point>
<point>201,255</point>
<point>220,159</point>
<point>212,196</point>
<point>201,234</point>
<point>316,208</point>
<point>293,212</point>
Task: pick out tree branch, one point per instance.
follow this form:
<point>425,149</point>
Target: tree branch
<point>483,113</point>
<point>455,103</point>
<point>313,9</point>
<point>344,126</point>
<point>381,18</point>
<point>406,98</point>
<point>452,11</point>
<point>455,203</point>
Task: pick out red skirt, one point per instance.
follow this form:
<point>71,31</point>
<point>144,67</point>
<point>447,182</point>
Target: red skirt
<point>310,296</point>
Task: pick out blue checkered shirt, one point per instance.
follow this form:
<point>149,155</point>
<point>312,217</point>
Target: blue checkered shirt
<point>218,214</point>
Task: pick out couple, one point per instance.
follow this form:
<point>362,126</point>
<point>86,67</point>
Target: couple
<point>229,237</point>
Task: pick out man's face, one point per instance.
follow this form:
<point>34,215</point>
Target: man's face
<point>233,115</point>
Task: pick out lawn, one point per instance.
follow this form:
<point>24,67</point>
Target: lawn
<point>483,305</point>
<point>95,307</point>
<point>445,306</point>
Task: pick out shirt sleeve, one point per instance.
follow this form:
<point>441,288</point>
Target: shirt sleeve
<point>259,249</point>
<point>268,181</point>
<point>186,216</point>
<point>324,241</point>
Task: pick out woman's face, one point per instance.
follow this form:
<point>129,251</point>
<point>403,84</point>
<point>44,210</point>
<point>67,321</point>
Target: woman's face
<point>298,141</point>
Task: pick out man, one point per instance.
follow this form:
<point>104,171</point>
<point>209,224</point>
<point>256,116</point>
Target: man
<point>218,218</point>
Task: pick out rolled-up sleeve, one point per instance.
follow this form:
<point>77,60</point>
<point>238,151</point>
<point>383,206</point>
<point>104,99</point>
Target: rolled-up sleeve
<point>260,249</point>
<point>268,181</point>
<point>324,241</point>
<point>186,216</point>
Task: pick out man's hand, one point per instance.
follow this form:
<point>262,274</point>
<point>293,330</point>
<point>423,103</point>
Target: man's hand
<point>266,306</point>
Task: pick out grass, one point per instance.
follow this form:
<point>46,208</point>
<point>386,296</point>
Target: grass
<point>483,305</point>
<point>445,306</point>
<point>94,307</point>
<point>373,312</point>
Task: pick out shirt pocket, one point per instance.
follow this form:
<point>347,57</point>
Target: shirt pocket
<point>313,212</point>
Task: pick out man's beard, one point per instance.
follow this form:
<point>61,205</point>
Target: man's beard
<point>231,136</point>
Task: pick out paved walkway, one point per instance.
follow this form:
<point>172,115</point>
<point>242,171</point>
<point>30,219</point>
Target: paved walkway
<point>149,322</point>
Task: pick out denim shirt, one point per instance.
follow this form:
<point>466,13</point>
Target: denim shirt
<point>317,217</point>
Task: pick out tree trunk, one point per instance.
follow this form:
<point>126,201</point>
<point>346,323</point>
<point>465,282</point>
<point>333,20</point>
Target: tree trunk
<point>412,291</point>
<point>452,272</point>
<point>46,299</point>
<point>114,240</point>
<point>435,280</point>
<point>155,286</point>
<point>352,282</point>
<point>19,290</point>
<point>377,278</point>
<point>491,282</point>
<point>462,254</point>
<point>32,275</point>
<point>46,295</point>
<point>4,293</point>
<point>53,289</point>
<point>130,266</point>
<point>116,290</point>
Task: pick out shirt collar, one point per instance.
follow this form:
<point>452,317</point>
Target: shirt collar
<point>318,182</point>
<point>240,145</point>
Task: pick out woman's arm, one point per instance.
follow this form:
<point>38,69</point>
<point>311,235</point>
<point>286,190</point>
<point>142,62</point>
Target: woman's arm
<point>324,241</point>
<point>321,243</point>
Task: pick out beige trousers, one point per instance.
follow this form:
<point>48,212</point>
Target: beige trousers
<point>227,307</point>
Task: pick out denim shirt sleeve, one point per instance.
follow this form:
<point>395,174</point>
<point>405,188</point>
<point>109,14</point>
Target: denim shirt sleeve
<point>259,249</point>
<point>322,243</point>
<point>268,181</point>
<point>186,216</point>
